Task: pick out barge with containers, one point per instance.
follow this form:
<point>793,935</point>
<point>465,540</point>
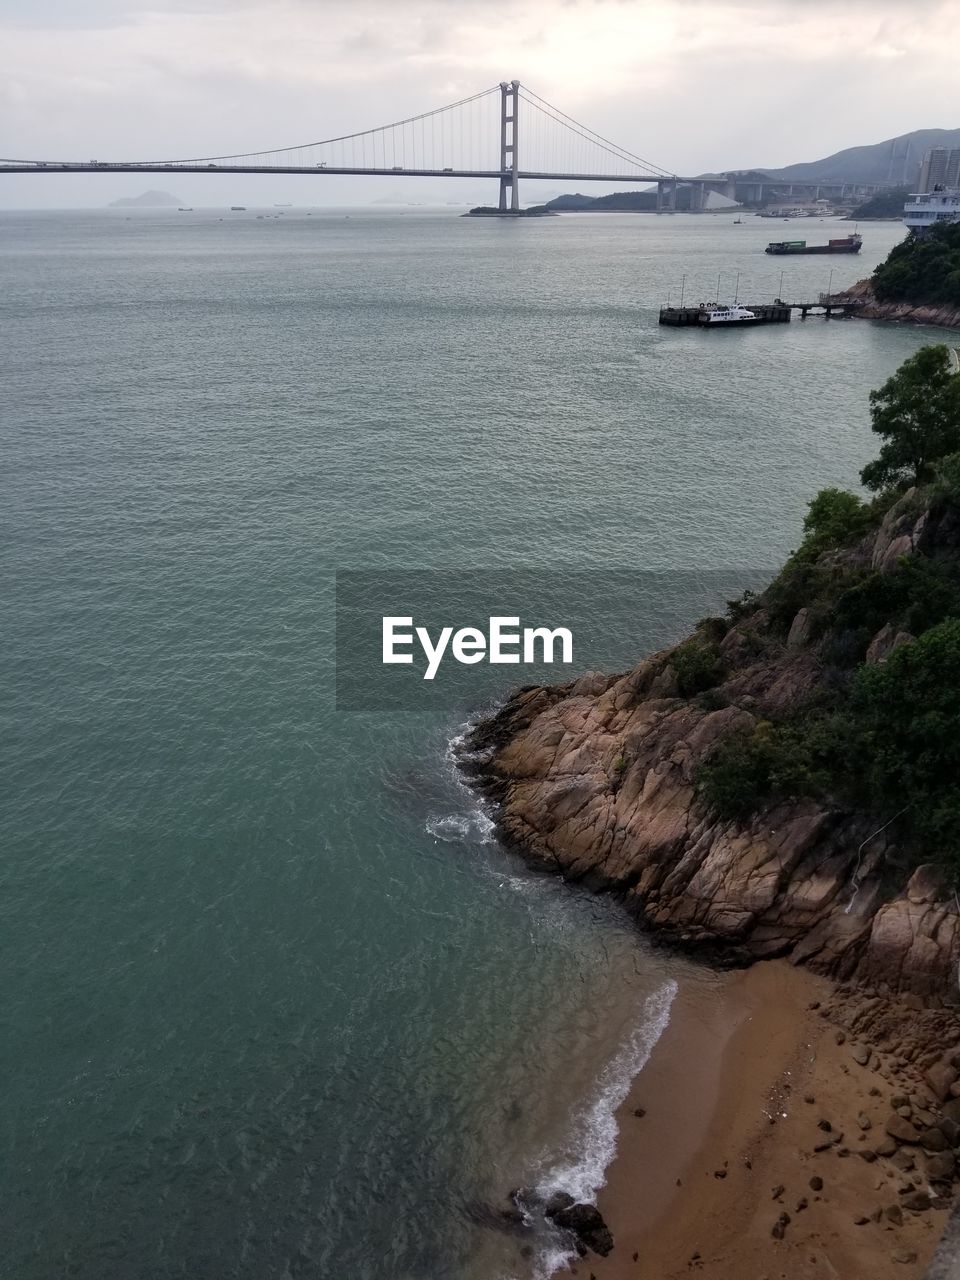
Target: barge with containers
<point>843,244</point>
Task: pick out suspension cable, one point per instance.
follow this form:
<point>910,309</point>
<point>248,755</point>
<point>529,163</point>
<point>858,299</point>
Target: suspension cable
<point>612,148</point>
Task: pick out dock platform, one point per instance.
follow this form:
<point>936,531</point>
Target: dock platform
<point>769,313</point>
<point>777,312</point>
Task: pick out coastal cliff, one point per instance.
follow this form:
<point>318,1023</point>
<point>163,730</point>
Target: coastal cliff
<point>919,282</point>
<point>943,315</point>
<point>601,781</point>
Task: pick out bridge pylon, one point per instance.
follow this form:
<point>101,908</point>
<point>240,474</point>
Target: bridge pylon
<point>509,113</point>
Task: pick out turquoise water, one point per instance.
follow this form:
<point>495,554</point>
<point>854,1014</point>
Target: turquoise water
<point>275,1002</point>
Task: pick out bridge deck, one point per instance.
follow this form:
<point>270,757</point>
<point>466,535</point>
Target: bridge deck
<point>95,166</point>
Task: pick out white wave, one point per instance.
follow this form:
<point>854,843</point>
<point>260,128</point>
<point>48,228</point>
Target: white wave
<point>475,825</point>
<point>593,1143</point>
<point>551,1260</point>
<point>472,828</point>
<point>582,1170</point>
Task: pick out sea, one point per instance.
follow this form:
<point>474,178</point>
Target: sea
<point>276,1002</point>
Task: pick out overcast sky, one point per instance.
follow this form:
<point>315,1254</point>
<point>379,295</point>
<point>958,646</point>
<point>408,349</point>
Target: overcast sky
<point>692,84</point>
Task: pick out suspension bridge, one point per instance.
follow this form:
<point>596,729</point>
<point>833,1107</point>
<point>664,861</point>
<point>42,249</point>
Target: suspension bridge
<point>476,137</point>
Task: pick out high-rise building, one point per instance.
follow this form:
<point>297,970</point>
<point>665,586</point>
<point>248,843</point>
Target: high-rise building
<point>940,168</point>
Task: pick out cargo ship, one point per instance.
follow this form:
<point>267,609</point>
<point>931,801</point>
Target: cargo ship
<point>846,244</point>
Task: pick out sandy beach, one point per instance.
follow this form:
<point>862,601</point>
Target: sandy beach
<point>718,1172</point>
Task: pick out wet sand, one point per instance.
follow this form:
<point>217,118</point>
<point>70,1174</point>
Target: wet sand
<point>726,1146</point>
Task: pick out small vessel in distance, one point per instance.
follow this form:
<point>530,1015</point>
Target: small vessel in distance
<point>238,208</point>
<point>844,244</point>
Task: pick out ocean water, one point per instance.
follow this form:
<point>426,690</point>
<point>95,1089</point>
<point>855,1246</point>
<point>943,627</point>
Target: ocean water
<point>276,1004</point>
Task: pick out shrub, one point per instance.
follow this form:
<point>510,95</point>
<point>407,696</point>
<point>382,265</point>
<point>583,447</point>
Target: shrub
<point>946,485</point>
<point>833,518</point>
<point>698,667</point>
<point>753,767</point>
<point>908,717</point>
<point>922,269</point>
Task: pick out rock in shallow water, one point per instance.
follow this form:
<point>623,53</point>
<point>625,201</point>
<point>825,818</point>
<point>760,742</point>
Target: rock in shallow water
<point>585,1222</point>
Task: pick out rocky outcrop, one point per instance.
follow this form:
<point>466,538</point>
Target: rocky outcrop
<point>597,781</point>
<point>869,308</point>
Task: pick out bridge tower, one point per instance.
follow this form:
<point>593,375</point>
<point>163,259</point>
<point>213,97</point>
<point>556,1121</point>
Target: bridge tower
<point>509,111</point>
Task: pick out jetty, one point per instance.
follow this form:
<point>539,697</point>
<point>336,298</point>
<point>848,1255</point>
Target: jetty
<point>776,312</point>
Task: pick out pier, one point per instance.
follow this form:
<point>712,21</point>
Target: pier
<point>768,313</point>
<point>776,312</point>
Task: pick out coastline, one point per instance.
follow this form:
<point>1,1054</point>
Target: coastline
<point>938,315</point>
<point>727,1123</point>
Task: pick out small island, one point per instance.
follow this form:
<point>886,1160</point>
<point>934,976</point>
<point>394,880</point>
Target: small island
<point>148,200</point>
<point>488,211</point>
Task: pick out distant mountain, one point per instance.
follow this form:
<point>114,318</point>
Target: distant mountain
<point>149,200</point>
<point>895,160</point>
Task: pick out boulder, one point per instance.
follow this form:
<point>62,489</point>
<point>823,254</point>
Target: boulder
<point>940,1076</point>
<point>940,1166</point>
<point>586,1222</point>
<point>901,1129</point>
<point>933,1140</point>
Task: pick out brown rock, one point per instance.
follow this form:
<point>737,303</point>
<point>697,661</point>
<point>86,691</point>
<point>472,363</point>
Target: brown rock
<point>816,1183</point>
<point>887,638</point>
<point>904,1255</point>
<point>780,1226</point>
<point>864,1121</point>
<point>860,1053</point>
<point>940,1076</point>
<point>901,1129</point>
<point>926,885</point>
<point>940,1166</point>
<point>893,1213</point>
<point>918,1201</point>
<point>800,630</point>
<point>933,1140</point>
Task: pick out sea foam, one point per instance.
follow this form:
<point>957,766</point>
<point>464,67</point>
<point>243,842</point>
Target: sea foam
<point>581,1169</point>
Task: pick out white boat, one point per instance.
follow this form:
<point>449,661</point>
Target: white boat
<point>718,315</point>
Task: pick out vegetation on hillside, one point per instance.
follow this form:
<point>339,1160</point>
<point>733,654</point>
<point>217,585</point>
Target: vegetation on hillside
<point>889,204</point>
<point>880,738</point>
<point>922,269</point>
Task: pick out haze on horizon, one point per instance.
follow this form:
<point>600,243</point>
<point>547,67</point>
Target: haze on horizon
<point>694,85</point>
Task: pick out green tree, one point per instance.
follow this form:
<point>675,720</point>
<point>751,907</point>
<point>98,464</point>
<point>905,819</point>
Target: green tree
<point>922,268</point>
<point>917,413</point>
<point>833,518</point>
<point>908,711</point>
